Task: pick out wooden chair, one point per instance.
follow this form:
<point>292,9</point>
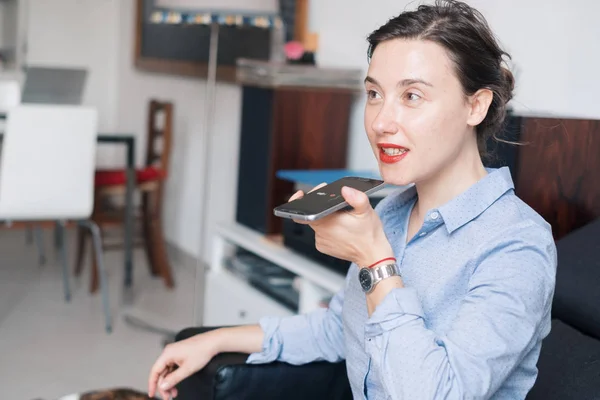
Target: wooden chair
<point>150,181</point>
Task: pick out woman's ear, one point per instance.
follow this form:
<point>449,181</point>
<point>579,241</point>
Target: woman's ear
<point>480,103</point>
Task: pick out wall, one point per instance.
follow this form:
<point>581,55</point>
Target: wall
<point>9,30</point>
<point>2,23</point>
<point>84,34</point>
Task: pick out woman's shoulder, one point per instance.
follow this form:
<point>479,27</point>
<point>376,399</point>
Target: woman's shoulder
<point>515,212</point>
<point>511,220</point>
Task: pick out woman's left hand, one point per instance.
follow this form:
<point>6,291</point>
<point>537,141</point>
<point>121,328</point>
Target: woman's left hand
<point>355,235</point>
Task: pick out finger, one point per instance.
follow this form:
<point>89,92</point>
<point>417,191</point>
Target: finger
<point>165,394</point>
<point>173,392</point>
<point>174,378</point>
<point>155,373</point>
<point>296,195</point>
<point>356,199</point>
<point>319,186</point>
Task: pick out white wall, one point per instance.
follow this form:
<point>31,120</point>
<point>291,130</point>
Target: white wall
<point>2,28</point>
<point>79,33</point>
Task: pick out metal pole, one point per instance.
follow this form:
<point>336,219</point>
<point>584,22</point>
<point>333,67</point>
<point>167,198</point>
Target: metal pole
<point>209,114</point>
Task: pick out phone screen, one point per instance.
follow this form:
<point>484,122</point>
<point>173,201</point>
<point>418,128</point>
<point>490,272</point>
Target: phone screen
<point>328,196</point>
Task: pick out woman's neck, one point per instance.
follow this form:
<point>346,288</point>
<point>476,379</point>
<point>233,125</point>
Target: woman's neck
<point>454,179</point>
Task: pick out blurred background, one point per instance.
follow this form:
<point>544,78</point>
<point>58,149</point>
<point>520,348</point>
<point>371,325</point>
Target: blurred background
<point>146,142</point>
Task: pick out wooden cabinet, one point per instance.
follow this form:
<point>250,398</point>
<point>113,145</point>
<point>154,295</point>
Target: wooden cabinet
<point>558,169</point>
<point>286,128</point>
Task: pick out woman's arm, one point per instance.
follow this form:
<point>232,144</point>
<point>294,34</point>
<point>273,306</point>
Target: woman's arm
<point>300,339</point>
<point>503,317</point>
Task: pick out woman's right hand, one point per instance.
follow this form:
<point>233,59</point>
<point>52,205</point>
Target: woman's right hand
<point>180,360</point>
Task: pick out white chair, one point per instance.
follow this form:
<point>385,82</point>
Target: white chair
<point>47,173</point>
<point>10,97</point>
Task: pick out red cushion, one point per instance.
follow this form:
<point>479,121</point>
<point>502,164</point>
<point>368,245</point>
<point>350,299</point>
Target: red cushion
<point>118,176</point>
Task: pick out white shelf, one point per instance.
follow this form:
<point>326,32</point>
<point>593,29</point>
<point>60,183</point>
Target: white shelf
<point>282,256</point>
<point>231,301</point>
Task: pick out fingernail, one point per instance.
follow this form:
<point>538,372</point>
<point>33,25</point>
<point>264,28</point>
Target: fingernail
<point>164,385</point>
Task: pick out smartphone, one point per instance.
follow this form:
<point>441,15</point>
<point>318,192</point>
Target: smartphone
<point>326,200</point>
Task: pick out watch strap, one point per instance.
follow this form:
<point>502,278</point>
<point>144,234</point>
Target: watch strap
<point>384,271</point>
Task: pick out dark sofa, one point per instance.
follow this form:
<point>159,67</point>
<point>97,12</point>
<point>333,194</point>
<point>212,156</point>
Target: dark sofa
<point>569,364</point>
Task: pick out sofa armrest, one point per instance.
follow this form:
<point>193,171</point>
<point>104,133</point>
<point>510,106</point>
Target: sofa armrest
<point>569,366</point>
<point>228,377</point>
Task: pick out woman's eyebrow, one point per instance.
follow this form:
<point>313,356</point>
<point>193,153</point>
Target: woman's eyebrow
<point>404,82</point>
<point>412,81</point>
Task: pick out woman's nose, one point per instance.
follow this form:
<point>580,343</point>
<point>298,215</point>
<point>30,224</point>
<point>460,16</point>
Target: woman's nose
<point>385,122</point>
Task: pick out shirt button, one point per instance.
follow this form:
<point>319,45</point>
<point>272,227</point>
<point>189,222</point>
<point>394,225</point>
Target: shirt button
<point>434,215</point>
<point>423,234</point>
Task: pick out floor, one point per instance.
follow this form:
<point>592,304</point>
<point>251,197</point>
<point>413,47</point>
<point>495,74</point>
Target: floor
<point>50,349</point>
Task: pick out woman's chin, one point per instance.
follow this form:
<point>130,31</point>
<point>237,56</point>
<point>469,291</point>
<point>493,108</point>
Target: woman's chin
<point>393,176</point>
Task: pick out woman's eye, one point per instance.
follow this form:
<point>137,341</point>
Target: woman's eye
<point>412,97</point>
<point>372,95</point>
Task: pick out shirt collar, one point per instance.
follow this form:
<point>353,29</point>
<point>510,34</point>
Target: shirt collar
<point>471,203</point>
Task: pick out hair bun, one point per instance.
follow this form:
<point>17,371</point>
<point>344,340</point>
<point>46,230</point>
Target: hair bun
<point>509,82</point>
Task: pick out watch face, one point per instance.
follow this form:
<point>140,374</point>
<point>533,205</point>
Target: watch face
<point>365,279</point>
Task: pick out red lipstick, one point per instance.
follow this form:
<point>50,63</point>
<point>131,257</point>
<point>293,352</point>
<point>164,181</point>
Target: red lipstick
<point>388,158</point>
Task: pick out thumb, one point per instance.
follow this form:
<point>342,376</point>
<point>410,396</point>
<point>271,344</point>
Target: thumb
<point>358,200</point>
<point>174,378</point>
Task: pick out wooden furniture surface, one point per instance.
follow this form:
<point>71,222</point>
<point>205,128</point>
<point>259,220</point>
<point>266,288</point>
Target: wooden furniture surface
<point>310,132</point>
<point>286,128</point>
<point>559,170</point>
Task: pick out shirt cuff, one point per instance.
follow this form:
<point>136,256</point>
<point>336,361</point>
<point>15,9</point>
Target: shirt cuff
<point>272,343</point>
<point>400,306</point>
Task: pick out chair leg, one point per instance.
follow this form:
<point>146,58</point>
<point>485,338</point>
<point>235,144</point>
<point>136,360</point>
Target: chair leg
<point>94,272</point>
<point>98,257</point>
<point>82,236</point>
<point>29,234</point>
<point>39,241</point>
<point>160,252</point>
<point>60,236</point>
<point>147,231</point>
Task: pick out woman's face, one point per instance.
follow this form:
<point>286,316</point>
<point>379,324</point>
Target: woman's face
<point>416,117</point>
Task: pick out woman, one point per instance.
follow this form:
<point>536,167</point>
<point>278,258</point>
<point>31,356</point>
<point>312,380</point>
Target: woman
<point>470,268</point>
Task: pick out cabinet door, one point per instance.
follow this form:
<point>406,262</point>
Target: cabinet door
<point>229,300</point>
<point>310,131</point>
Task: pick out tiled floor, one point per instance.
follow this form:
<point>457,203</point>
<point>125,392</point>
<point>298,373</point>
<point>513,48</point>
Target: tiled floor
<point>49,348</point>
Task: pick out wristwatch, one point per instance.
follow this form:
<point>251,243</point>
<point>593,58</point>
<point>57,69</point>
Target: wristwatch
<point>370,277</point>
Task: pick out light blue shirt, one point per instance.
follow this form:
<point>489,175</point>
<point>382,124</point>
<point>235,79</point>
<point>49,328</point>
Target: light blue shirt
<point>479,280</point>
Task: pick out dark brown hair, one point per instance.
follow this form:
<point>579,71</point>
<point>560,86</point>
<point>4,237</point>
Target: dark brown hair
<point>470,44</point>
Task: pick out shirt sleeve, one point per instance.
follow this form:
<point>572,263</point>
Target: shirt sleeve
<point>304,338</point>
<point>503,317</point>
